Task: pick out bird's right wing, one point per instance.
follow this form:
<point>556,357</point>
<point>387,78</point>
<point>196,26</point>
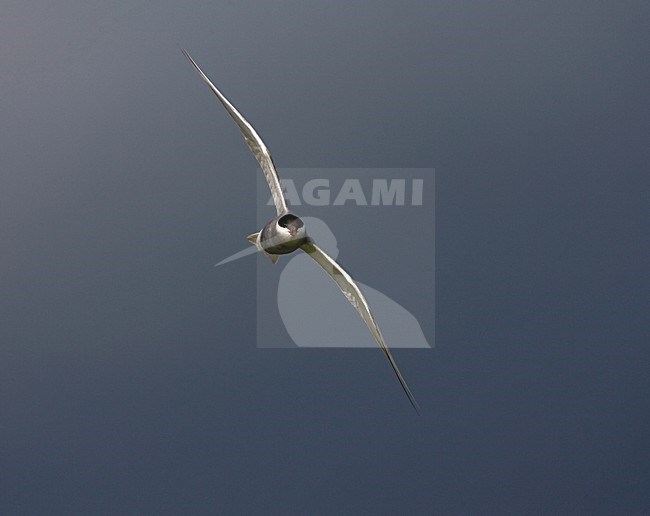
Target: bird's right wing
<point>358,301</point>
<point>254,142</point>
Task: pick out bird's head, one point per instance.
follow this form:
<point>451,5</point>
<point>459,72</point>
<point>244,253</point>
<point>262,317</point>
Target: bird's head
<point>294,225</point>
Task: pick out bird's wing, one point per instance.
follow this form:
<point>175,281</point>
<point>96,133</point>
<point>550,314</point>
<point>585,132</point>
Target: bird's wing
<point>254,142</point>
<point>358,301</point>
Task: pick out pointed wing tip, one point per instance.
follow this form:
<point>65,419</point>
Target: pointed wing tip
<point>408,392</point>
<point>189,57</point>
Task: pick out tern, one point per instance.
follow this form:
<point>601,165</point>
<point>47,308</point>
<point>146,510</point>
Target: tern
<point>286,232</point>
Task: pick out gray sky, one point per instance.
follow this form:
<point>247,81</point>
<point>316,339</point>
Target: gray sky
<point>130,380</point>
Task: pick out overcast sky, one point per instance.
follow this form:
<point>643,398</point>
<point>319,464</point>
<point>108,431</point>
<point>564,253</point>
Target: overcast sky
<point>130,378</point>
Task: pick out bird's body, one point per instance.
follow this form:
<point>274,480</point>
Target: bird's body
<point>283,234</point>
<point>287,233</point>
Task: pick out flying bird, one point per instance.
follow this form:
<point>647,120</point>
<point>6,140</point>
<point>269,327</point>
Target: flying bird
<point>286,232</point>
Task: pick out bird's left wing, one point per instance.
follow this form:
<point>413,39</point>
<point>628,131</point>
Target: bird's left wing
<point>254,142</point>
<point>358,301</point>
